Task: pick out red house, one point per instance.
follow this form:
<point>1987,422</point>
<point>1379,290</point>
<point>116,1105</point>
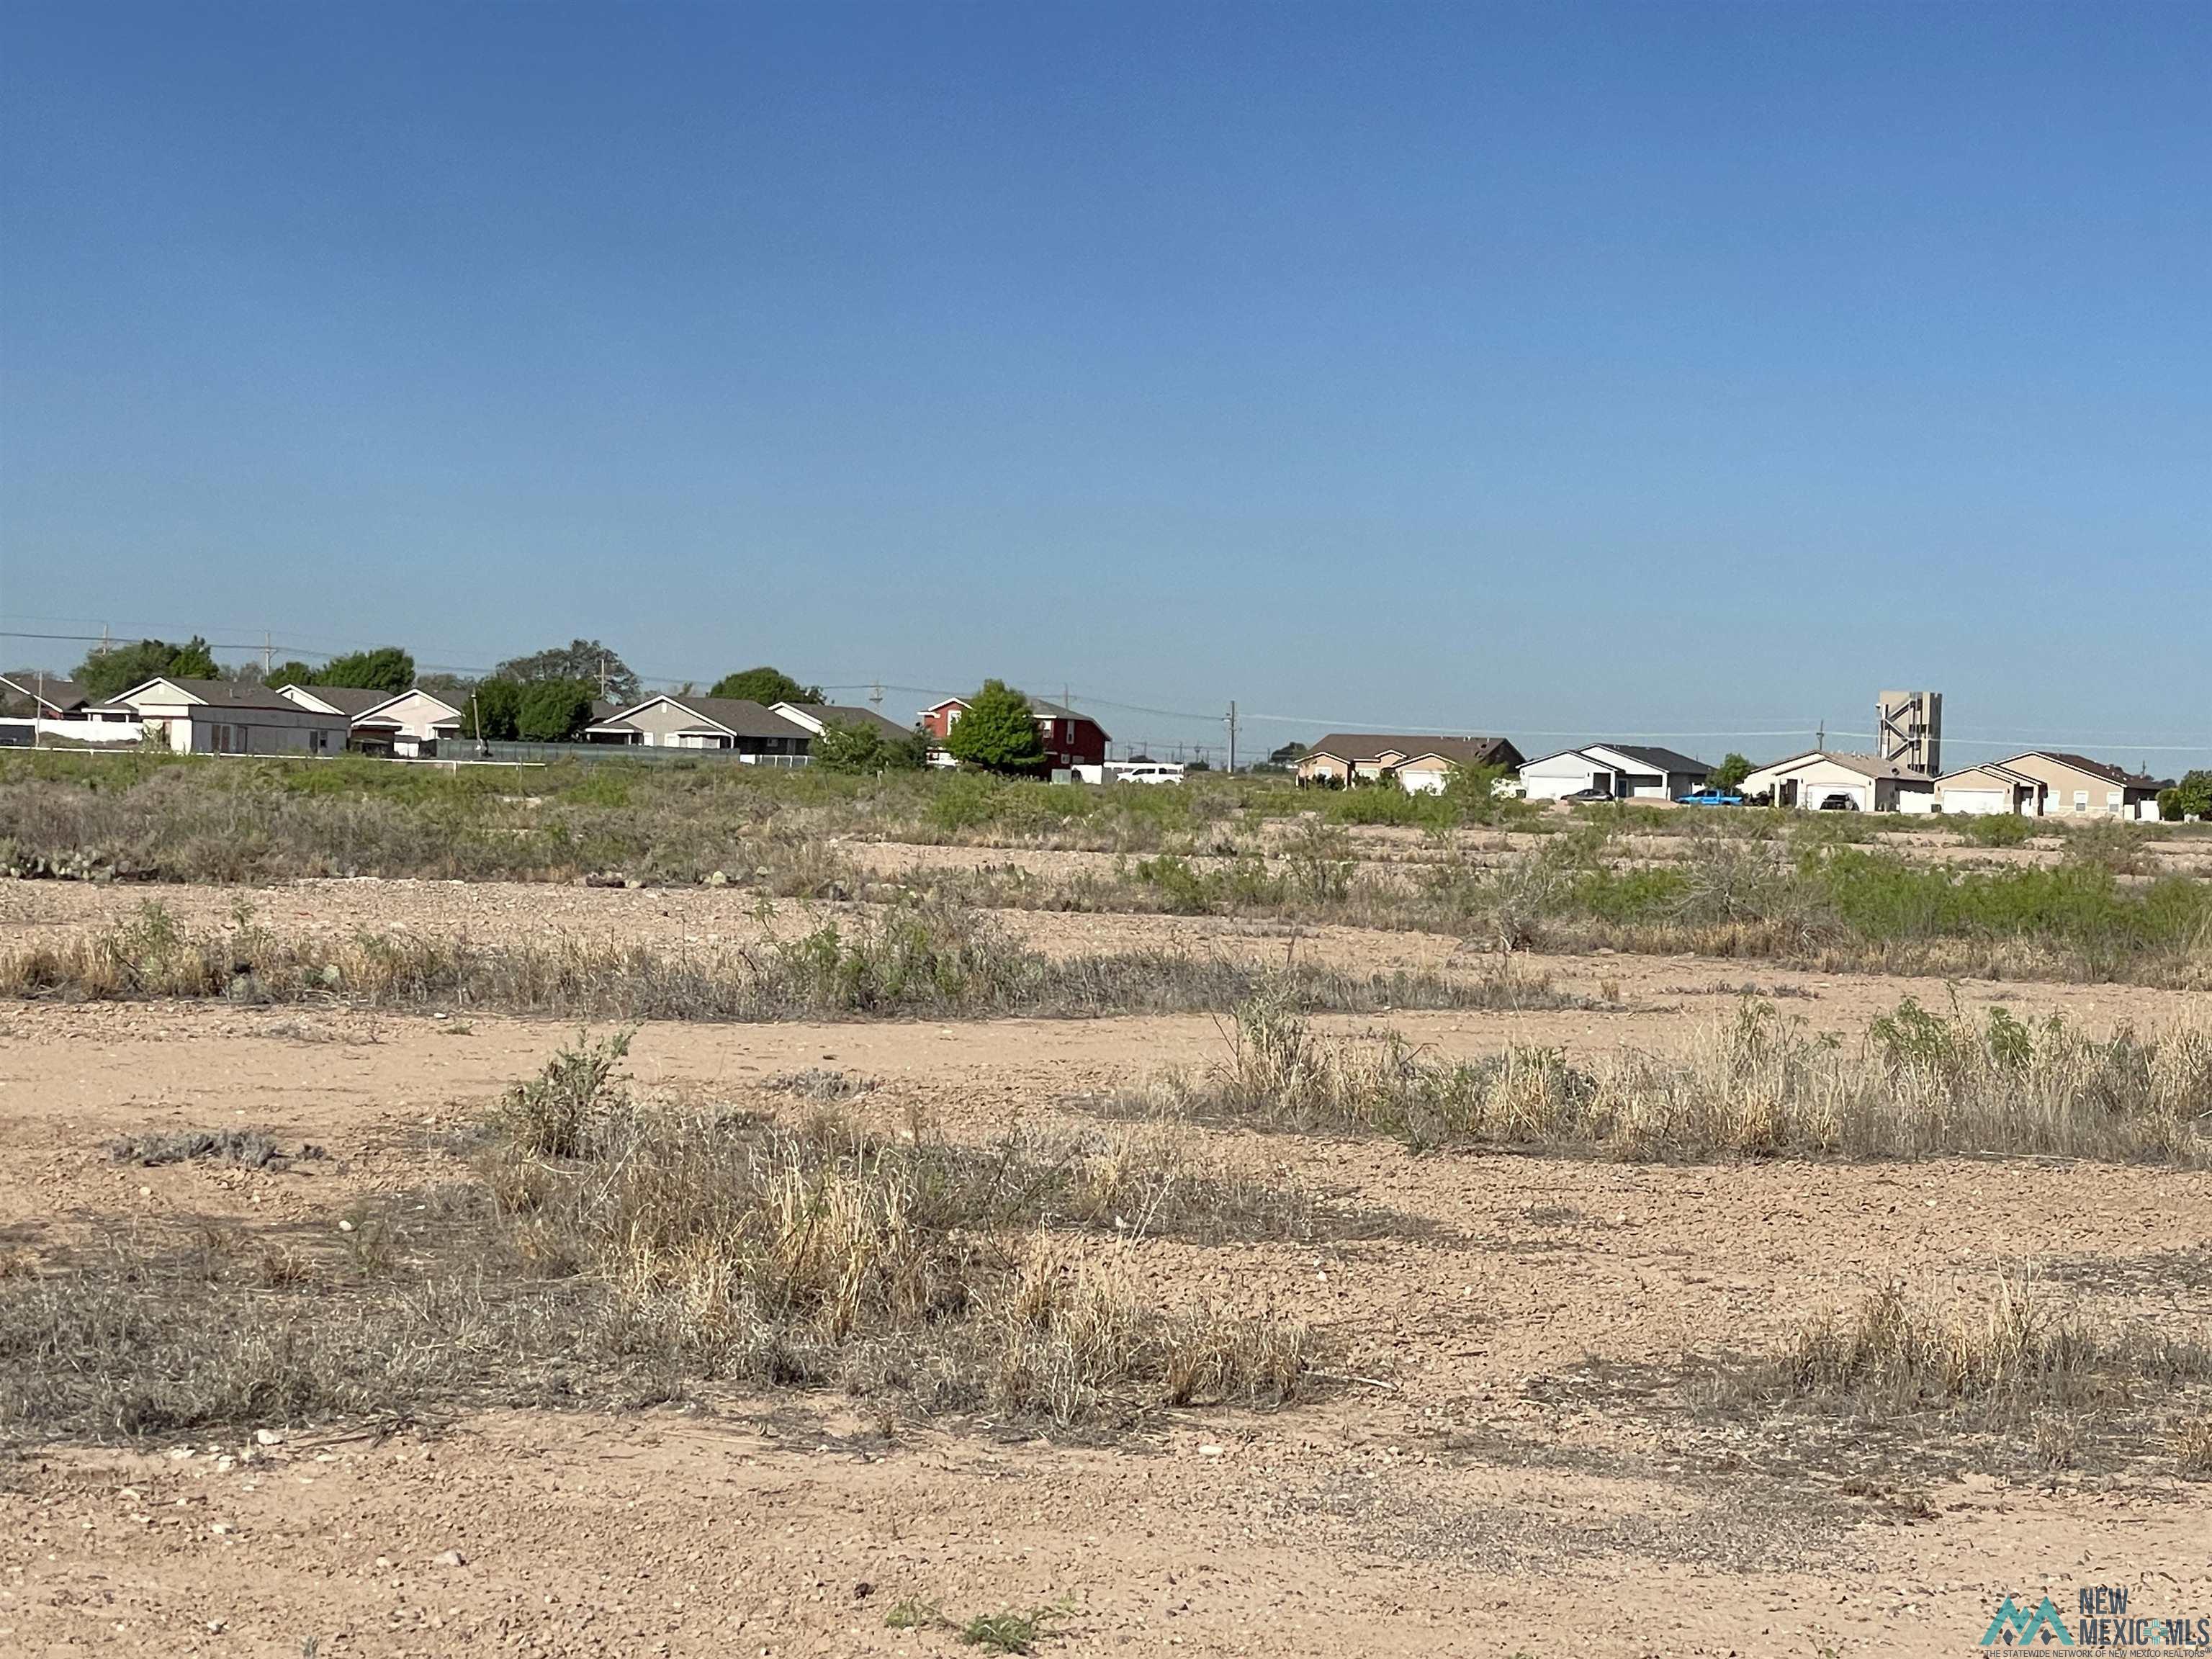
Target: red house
<point>1070,739</point>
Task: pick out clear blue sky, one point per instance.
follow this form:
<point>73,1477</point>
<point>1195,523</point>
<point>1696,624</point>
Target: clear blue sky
<point>1545,370</point>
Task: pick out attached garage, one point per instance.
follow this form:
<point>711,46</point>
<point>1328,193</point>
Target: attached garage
<point>1625,771</point>
<point>1810,781</point>
<point>1979,790</point>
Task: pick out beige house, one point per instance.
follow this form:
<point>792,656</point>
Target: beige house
<point>1825,781</point>
<point>215,717</point>
<point>758,735</point>
<point>1991,787</point>
<point>1421,764</point>
<point>2076,786</point>
<point>409,725</point>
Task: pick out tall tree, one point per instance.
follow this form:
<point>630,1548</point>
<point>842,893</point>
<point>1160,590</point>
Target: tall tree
<point>103,674</point>
<point>997,731</point>
<point>387,668</point>
<point>765,685</point>
<point>579,660</point>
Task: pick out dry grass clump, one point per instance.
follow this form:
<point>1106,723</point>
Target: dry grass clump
<point>822,1253</point>
<point>925,959</point>
<point>2009,1363</point>
<point>1755,1085</point>
<point>2192,1445</point>
<point>616,1249</point>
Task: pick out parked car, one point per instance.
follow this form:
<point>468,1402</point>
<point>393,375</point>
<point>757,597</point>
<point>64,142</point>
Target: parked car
<point>1839,804</point>
<point>1589,795</point>
<point>1712,796</point>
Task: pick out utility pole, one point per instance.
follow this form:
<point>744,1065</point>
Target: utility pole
<point>1232,735</point>
<point>876,697</point>
<point>103,639</point>
<point>603,677</point>
<point>267,656</point>
<point>1820,738</point>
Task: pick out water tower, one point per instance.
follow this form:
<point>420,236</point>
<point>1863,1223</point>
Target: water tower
<point>1908,727</point>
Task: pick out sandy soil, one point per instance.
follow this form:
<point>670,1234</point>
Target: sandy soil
<point>1479,1490</point>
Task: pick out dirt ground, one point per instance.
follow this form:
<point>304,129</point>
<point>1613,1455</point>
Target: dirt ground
<point>1484,1472</point>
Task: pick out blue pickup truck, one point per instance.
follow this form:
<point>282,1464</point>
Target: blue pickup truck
<point>1710,797</point>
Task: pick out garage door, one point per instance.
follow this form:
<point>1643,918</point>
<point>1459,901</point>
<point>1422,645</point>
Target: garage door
<point>1974,800</point>
<point>1818,795</point>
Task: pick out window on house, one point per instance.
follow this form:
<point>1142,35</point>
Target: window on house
<point>2112,802</point>
<point>2080,800</point>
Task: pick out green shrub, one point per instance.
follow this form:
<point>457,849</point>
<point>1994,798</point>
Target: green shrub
<point>1996,829</point>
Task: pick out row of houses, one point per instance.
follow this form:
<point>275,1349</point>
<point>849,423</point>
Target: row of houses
<point>222,717</point>
<point>2036,783</point>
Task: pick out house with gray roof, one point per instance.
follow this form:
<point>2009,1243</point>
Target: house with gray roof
<point>753,732</point>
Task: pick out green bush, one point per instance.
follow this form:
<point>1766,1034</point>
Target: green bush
<point>1996,829</point>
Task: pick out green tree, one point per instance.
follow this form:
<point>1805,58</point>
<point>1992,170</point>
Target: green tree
<point>295,672</point>
<point>1471,792</point>
<point>579,660</point>
<point>2190,798</point>
<point>387,668</point>
<point>867,749</point>
<point>553,711</point>
<point>497,704</point>
<point>104,674</point>
<point>997,731</point>
<point>765,685</point>
<point>1731,772</point>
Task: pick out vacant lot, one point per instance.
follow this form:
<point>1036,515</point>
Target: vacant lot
<point>1651,1304</point>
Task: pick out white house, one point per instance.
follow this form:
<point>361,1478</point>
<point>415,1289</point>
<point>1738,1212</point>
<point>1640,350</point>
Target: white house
<point>411,724</point>
<point>1825,780</point>
<point>1625,771</point>
<point>51,706</point>
<point>215,717</point>
<point>818,717</point>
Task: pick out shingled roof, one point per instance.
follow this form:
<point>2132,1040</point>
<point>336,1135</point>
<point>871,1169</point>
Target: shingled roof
<point>1352,746</point>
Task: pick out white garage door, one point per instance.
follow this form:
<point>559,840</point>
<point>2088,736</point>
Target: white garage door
<point>1542,787</point>
<point>1975,800</point>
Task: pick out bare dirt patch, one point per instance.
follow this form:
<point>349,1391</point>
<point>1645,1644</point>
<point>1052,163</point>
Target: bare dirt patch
<point>1508,1450</point>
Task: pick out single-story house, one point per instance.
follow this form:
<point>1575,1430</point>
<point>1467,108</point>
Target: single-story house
<point>757,734</point>
<point>1820,778</point>
<point>1420,763</point>
<point>41,696</point>
<point>818,717</point>
<point>218,717</point>
<point>1071,739</point>
<point>2076,786</point>
<point>49,706</point>
<point>410,723</point>
<point>1991,787</point>
<point>1625,771</point>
